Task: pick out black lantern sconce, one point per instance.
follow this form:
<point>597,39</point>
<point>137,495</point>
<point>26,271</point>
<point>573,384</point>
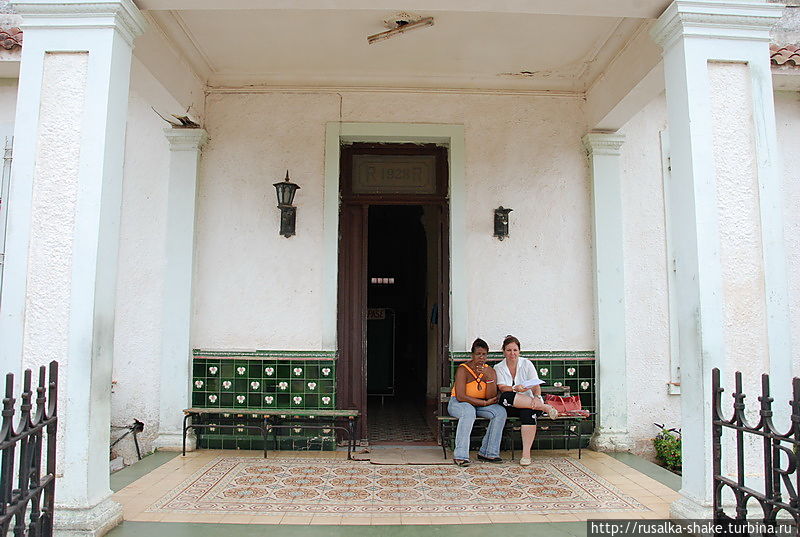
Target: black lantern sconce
<point>501,222</point>
<point>286,190</point>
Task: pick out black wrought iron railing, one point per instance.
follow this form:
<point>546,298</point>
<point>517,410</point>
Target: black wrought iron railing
<point>28,456</point>
<point>777,498</point>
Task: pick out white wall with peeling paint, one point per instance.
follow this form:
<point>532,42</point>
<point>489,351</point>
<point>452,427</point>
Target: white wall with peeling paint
<point>256,289</point>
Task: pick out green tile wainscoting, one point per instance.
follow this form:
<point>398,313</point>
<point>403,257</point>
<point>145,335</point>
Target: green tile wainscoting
<point>575,369</point>
<point>307,380</point>
<point>263,380</point>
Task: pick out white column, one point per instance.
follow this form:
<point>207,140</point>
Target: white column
<point>611,433</point>
<point>176,349</point>
<point>725,216</point>
<point>59,287</point>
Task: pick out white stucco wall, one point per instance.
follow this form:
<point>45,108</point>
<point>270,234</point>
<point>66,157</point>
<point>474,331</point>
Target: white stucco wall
<point>8,105</point>
<point>740,229</point>
<point>137,329</point>
<point>255,289</point>
<point>646,292</point>
<point>787,114</point>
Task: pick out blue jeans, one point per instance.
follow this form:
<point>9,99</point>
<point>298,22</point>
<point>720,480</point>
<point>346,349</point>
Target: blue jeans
<point>466,412</point>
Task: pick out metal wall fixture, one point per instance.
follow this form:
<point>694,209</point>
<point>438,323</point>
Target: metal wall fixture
<point>501,222</point>
<point>286,191</point>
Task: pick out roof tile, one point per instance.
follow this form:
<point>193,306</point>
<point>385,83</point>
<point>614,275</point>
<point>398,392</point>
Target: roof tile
<point>10,38</point>
<point>788,55</point>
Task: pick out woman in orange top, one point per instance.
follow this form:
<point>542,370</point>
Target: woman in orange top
<point>475,394</point>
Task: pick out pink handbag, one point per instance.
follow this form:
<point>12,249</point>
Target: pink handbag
<point>566,406</point>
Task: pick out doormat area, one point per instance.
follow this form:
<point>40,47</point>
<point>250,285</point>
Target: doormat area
<point>326,486</point>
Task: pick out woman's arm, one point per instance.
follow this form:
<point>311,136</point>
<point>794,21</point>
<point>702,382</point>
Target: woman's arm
<point>491,382</point>
<point>461,389</point>
<point>534,375</point>
<point>504,380</point>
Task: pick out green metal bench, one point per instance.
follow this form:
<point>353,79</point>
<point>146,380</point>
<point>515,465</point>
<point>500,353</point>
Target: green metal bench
<point>273,419</point>
<point>562,426</point>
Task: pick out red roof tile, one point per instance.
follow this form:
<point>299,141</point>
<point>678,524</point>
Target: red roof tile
<point>788,55</point>
<point>10,38</point>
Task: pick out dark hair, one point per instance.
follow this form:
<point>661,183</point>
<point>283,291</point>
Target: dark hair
<point>510,339</point>
<point>479,344</point>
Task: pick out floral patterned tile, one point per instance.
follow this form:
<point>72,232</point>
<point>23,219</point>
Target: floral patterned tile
<point>296,488</point>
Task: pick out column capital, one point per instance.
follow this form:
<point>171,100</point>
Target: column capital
<point>748,20</point>
<point>121,15</point>
<point>603,143</point>
<point>185,139</point>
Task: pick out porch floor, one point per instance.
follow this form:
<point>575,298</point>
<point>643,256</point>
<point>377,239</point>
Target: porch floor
<point>212,487</point>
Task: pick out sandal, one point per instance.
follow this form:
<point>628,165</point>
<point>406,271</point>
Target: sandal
<point>551,412</point>
<point>461,462</point>
<point>524,461</point>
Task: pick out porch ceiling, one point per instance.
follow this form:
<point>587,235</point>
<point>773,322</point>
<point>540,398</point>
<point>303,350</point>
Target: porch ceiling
<point>510,48</point>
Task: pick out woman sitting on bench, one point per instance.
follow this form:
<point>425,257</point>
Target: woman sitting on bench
<point>521,394</point>
<point>475,393</point>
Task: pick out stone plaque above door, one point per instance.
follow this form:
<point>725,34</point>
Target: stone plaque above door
<point>394,174</point>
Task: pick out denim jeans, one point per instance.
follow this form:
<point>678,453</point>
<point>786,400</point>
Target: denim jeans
<point>466,412</point>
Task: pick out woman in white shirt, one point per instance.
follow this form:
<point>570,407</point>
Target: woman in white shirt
<point>521,394</point>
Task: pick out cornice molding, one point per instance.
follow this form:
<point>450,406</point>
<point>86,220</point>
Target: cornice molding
<point>121,15</point>
<point>714,19</point>
<point>185,139</point>
<point>601,143</point>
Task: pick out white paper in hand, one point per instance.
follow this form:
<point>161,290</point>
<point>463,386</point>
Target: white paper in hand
<point>528,384</point>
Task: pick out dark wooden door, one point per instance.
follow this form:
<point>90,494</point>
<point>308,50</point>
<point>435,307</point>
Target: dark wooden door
<point>352,311</point>
<point>443,292</point>
<point>352,290</point>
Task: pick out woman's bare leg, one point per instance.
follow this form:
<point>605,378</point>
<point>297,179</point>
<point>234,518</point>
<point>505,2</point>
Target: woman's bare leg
<point>534,403</point>
<point>528,435</point>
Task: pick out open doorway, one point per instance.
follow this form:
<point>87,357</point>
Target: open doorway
<point>393,321</point>
<point>398,324</point>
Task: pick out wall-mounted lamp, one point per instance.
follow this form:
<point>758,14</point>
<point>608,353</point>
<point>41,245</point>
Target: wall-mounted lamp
<point>286,190</point>
<point>501,222</point>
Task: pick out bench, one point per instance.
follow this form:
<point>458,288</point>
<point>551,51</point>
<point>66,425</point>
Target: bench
<point>273,419</point>
<point>562,426</point>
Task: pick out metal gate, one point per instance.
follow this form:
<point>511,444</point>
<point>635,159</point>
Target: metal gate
<point>778,500</point>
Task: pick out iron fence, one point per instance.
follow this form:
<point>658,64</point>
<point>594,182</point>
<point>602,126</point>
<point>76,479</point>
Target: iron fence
<point>778,500</point>
<point>25,490</point>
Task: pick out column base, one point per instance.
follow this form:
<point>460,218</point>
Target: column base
<point>87,522</point>
<point>174,442</point>
<point>611,440</point>
<point>688,508</point>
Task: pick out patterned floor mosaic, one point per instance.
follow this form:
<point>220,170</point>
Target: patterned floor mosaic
<point>291,485</point>
<point>398,422</point>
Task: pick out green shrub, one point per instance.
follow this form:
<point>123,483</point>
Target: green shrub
<point>668,448</point>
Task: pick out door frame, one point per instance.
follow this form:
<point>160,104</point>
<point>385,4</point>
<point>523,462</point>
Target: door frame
<point>448,135</point>
<point>351,385</point>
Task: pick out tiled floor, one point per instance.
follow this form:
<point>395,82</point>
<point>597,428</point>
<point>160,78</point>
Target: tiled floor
<point>398,421</point>
<point>148,499</point>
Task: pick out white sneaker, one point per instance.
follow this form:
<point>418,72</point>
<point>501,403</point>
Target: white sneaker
<point>525,461</point>
<point>551,412</point>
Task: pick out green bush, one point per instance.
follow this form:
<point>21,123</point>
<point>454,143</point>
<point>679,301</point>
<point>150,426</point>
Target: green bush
<point>668,448</point>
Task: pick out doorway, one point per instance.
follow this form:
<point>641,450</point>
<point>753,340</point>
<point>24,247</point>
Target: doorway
<point>393,321</point>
